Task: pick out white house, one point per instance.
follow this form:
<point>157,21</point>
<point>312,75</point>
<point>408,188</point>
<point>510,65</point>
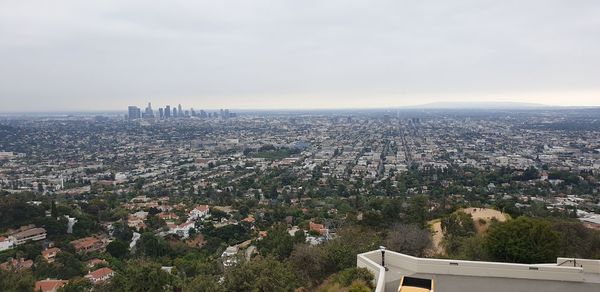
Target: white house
<point>100,275</point>
<point>5,243</point>
<point>200,211</point>
<point>182,230</point>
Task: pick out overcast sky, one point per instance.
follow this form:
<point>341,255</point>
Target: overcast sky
<point>108,54</point>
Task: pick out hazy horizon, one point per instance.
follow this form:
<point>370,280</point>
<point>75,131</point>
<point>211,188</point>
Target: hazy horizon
<point>69,55</point>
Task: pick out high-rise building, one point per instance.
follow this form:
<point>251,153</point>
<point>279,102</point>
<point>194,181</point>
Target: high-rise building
<point>175,113</point>
<point>148,113</point>
<point>193,112</point>
<point>161,113</point>
<point>167,111</point>
<point>179,111</point>
<point>134,112</point>
<point>203,114</point>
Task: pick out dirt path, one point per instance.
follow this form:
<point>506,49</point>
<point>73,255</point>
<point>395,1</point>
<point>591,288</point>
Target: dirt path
<point>436,237</point>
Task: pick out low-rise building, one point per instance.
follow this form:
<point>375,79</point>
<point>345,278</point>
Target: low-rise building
<point>5,243</point>
<point>16,264</point>
<point>49,285</point>
<point>200,211</point>
<point>50,254</point>
<point>31,234</point>
<point>100,275</point>
<point>87,244</point>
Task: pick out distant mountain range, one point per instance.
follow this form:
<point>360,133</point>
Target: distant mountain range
<point>480,105</point>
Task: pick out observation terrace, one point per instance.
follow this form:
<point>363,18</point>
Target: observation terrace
<point>567,274</point>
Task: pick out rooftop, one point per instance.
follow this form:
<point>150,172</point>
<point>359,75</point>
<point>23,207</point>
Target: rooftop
<point>567,274</point>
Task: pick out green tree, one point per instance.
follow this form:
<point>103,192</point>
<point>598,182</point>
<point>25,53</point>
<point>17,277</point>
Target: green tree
<point>299,236</point>
<point>458,224</point>
<point>142,276</point>
<point>202,283</point>
<point>278,242</point>
<point>523,240</point>
<point>118,249</point>
<point>152,246</point>
<point>311,263</point>
<point>575,239</point>
<point>54,211</point>
<point>417,211</point>
<point>267,274</point>
<point>68,265</point>
<point>77,285</point>
<point>154,222</point>
<point>122,232</point>
<point>349,275</point>
<point>16,281</point>
<point>341,252</point>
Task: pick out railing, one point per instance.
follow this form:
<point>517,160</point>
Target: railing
<point>588,266</point>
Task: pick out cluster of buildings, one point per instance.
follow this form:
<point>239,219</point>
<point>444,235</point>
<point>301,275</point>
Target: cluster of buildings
<point>215,159</point>
<point>72,156</point>
<point>21,236</point>
<point>134,112</point>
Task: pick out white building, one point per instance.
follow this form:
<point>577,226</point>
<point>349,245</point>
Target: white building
<point>200,211</point>
<point>229,256</point>
<point>5,243</point>
<point>182,230</point>
<point>566,274</point>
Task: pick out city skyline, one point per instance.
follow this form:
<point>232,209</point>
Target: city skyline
<point>134,112</point>
<point>289,55</point>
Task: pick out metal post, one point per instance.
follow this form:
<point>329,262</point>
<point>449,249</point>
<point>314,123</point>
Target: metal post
<point>382,249</point>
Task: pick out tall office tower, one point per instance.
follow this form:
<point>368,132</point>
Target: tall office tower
<point>193,112</point>
<point>175,113</point>
<point>202,114</point>
<point>226,113</point>
<point>179,111</point>
<point>148,113</point>
<point>161,113</point>
<point>187,113</point>
<point>167,111</point>
<point>134,112</point>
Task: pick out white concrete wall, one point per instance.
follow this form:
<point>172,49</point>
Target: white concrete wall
<point>371,260</point>
<point>377,270</point>
<point>484,269</point>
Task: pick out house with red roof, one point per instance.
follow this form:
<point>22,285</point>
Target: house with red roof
<point>320,228</point>
<point>95,262</point>
<point>182,230</point>
<point>49,285</point>
<point>249,219</point>
<point>100,275</point>
<point>16,264</point>
<point>199,212</point>
<point>87,244</point>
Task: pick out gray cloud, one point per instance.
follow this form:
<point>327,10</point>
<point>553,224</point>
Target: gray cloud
<point>110,53</point>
